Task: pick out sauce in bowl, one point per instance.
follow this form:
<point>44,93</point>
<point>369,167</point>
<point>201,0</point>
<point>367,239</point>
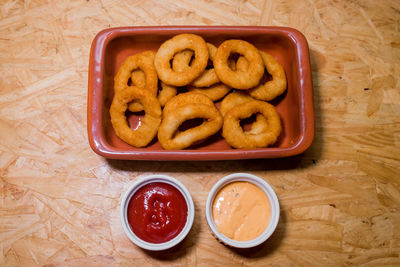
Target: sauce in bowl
<point>241,211</point>
<point>157,212</point>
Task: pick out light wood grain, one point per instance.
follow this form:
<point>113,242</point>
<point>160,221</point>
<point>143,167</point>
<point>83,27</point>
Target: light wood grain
<point>340,200</point>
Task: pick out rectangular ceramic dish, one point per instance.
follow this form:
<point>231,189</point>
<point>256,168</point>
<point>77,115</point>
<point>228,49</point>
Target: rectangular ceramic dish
<point>111,46</point>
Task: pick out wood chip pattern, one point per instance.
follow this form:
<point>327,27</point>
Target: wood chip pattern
<point>340,200</point>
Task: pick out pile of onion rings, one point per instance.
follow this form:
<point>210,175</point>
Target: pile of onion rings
<point>181,81</point>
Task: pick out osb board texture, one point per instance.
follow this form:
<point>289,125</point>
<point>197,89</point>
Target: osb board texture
<point>59,200</point>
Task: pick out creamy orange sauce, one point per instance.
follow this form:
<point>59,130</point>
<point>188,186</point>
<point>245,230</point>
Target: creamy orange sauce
<point>241,211</point>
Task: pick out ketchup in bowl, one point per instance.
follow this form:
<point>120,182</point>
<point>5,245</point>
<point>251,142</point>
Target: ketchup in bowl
<point>157,212</point>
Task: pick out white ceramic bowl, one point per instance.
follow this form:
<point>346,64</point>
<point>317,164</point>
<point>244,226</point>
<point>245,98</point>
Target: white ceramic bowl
<point>124,209</point>
<point>275,210</point>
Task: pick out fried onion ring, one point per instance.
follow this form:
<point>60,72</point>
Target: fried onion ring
<point>214,92</point>
<point>232,100</point>
<point>143,61</point>
<point>208,77</point>
<point>149,123</point>
<point>177,44</point>
<point>276,86</point>
<point>237,138</point>
<point>180,61</point>
<point>238,79</point>
<point>270,89</point>
<point>186,98</point>
<point>237,98</point>
<point>169,135</point>
<point>166,93</point>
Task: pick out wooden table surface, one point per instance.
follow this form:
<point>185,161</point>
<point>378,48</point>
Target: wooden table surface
<point>339,201</point>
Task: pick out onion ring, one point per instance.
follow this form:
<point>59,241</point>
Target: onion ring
<point>166,93</point>
<point>186,98</point>
<point>237,98</point>
<point>149,123</point>
<point>143,61</point>
<point>208,77</point>
<point>242,80</point>
<point>177,44</point>
<point>232,100</point>
<point>276,86</point>
<point>214,92</point>
<point>237,138</point>
<point>180,61</point>
<point>169,135</point>
<point>270,89</point>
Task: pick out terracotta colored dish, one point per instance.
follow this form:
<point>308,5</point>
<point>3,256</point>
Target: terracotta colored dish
<point>111,46</point>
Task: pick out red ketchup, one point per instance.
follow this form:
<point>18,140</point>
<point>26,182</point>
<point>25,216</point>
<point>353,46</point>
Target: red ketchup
<point>157,212</point>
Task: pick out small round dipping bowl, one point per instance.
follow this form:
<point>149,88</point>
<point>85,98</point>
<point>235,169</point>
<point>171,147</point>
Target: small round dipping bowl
<point>158,178</point>
<point>275,210</point>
